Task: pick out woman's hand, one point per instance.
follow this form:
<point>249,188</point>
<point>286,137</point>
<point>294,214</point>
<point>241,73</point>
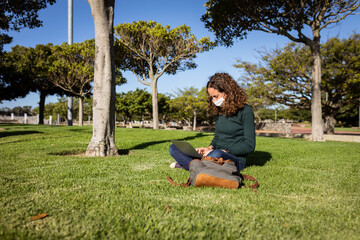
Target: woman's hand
<point>204,151</point>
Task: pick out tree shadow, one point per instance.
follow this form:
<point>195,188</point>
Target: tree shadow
<point>80,130</point>
<point>123,151</point>
<point>257,158</point>
<point>16,133</point>
<point>147,144</point>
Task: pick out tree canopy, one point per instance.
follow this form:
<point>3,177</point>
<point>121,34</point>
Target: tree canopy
<point>235,19</point>
<point>72,70</point>
<point>188,104</point>
<point>27,70</point>
<point>15,14</point>
<point>16,74</point>
<point>230,19</point>
<point>133,104</point>
<point>284,77</point>
<point>149,50</point>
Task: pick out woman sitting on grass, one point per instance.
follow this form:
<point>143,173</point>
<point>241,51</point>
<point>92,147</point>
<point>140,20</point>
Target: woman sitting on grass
<point>234,124</point>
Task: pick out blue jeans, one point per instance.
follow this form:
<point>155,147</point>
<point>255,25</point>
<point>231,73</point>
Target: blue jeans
<point>184,160</point>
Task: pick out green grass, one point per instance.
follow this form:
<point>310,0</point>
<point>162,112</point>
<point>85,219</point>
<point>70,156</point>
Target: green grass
<point>308,190</point>
<point>347,129</point>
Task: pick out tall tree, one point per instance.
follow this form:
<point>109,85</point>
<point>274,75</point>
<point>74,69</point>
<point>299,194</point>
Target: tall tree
<point>60,108</point>
<point>133,104</point>
<point>15,74</point>
<point>153,50</point>
<point>73,70</point>
<point>15,15</point>
<point>103,139</point>
<point>285,77</point>
<point>257,89</point>
<point>341,64</point>
<point>234,19</point>
<point>190,102</point>
<point>164,108</point>
<point>40,62</point>
<point>27,70</point>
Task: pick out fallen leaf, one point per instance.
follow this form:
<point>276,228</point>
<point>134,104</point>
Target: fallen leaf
<point>40,216</point>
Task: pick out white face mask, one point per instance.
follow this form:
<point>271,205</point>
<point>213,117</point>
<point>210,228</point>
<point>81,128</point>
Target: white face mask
<point>219,102</point>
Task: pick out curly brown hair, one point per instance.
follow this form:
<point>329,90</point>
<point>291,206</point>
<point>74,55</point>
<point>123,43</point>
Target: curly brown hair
<point>235,96</point>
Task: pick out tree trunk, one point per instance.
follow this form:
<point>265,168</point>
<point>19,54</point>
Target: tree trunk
<point>164,121</point>
<point>258,117</point>
<point>330,122</point>
<point>103,140</point>
<point>81,111</point>
<point>316,114</point>
<point>155,107</point>
<point>194,124</point>
<point>42,107</point>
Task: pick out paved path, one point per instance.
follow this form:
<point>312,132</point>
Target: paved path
<point>302,132</point>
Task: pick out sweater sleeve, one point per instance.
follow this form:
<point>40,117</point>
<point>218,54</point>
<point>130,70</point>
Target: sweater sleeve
<point>215,139</point>
<point>246,144</point>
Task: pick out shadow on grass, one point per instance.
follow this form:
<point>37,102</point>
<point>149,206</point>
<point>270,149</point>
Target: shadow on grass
<point>16,133</point>
<point>147,144</point>
<point>123,151</point>
<point>81,153</point>
<point>80,130</point>
<point>257,158</point>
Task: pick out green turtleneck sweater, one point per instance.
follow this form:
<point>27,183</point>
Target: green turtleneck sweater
<point>235,134</point>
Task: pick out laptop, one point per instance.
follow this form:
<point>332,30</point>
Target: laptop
<point>186,148</point>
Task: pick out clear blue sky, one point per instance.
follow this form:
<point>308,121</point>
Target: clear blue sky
<point>173,13</point>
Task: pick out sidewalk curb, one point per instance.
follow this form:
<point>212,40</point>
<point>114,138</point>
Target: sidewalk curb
<point>327,137</point>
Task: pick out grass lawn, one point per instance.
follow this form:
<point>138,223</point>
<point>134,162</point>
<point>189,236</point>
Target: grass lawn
<point>344,129</point>
<point>308,190</point>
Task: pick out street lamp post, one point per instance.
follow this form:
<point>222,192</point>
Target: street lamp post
<point>70,40</point>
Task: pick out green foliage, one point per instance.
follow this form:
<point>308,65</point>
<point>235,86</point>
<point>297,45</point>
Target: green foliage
<point>189,105</point>
<point>307,190</point>
<point>133,104</point>
<point>18,111</point>
<point>341,74</point>
<point>61,107</point>
<point>298,115</point>
<point>234,19</point>
<point>72,68</point>
<point>164,107</point>
<point>149,48</point>
<point>15,15</point>
<point>284,77</point>
<point>15,74</point>
<point>27,70</point>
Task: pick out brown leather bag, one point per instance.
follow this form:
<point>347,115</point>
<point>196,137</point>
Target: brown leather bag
<point>215,172</point>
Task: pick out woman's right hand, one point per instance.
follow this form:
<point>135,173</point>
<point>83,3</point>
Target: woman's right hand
<point>204,151</point>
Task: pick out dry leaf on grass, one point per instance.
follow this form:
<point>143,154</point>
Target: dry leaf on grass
<point>40,216</point>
